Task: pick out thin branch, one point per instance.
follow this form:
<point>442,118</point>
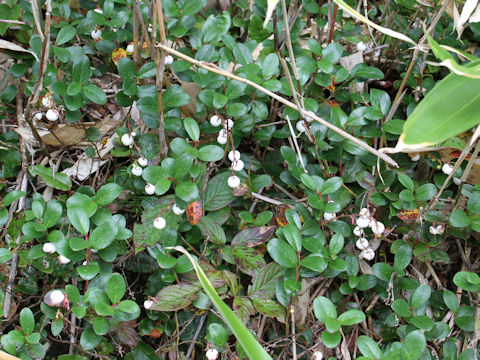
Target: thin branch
<point>213,68</point>
<point>294,138</point>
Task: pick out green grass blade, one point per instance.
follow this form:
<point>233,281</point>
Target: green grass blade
<point>251,346</point>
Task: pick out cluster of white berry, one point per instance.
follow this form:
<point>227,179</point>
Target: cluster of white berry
<point>329,216</point>
<point>301,124</point>
<point>222,137</point>
<point>363,221</point>
<point>52,114</point>
<point>447,170</point>
<point>160,222</point>
<point>437,230</point>
<point>51,248</point>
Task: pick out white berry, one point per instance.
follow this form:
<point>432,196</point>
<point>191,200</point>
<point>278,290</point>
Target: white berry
<point>309,120</point>
<point>49,248</point>
<point>457,181</point>
<point>127,139</point>
<point>150,189</point>
<point>233,155</point>
<point>317,355</point>
<point>54,298</point>
<point>415,157</point>
<point>168,60</point>
<point>63,259</point>
<point>215,121</point>
<point>362,244</point>
<point>358,231</point>
<point>329,216</point>
<point>159,223</point>
<point>52,115</point>
<point>212,354</point>
<point>367,254</point>
<point>94,251</point>
<point>47,101</point>
<point>229,124</point>
<point>233,181</point>
<point>97,10</point>
<point>147,304</point>
<point>301,126</point>
<point>137,170</point>
<point>96,34</point>
<point>39,116</point>
<point>362,222</point>
<point>377,227</point>
<point>447,169</point>
<point>364,212</point>
<point>130,48</point>
<point>142,161</point>
<point>361,46</point>
<point>133,133</point>
<point>222,140</point>
<point>238,165</point>
<point>433,230</point>
<point>85,262</point>
<point>176,210</point>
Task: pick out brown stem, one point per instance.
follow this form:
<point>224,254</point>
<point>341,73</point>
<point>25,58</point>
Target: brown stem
<point>332,24</point>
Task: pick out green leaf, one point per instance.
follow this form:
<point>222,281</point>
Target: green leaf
<point>81,71</point>
<point>324,309</point>
<point>192,128</point>
<point>12,196</point>
<point>211,153</point>
<point>115,287</point>
<point>282,253</point>
<point>215,27</point>
<point>187,191</point>
<point>217,193</point>
<point>175,97</point>
<point>315,262</point>
<point>420,296</point>
<point>402,258</point>
<point>65,34</point>
<point>332,52</point>
<point>331,340</point>
<point>217,334</point>
<point>88,272</point>
<point>101,326</point>
<point>406,181</point>
<point>449,109</point>
<point>5,255</point>
<point>56,180</point>
<point>95,94</point>
<point>459,218</point>
<point>414,345</point>
<point>246,339</point>
<point>401,307</point>
<point>425,192</point>
<point>467,280</point>
<point>450,299</point>
<point>102,236</point>
<point>331,185</point>
<point>236,109</point>
<point>383,271</point>
<point>369,347</point>
<point>146,71</point>
<point>336,244</point>
<point>108,193</point>
<point>175,297</point>
<point>293,236</point>
<point>270,65</point>
<point>27,321</point>
<point>242,53</point>
<point>89,340</point>
<point>74,88</point>
<point>351,317</point>
<point>80,208</point>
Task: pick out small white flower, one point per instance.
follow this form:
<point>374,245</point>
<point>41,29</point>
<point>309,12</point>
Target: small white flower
<point>447,169</point>
<point>215,121</point>
<point>308,119</point>
<point>329,216</point>
<point>367,254</point>
<point>361,46</point>
<point>362,222</point>
<point>233,181</point>
<point>168,60</point>
<point>49,248</point>
<point>378,228</point>
<point>137,170</point>
<point>212,354</point>
<point>52,115</point>
<point>415,157</point>
<point>130,49</point>
<point>301,126</point>
<point>127,139</point>
<point>222,140</point>
<point>230,124</point>
<point>433,230</point>
<point>177,210</point>
<point>234,155</point>
<point>142,161</point>
<point>238,165</point>
<point>364,212</point>
<point>96,34</point>
<point>97,10</point>
<point>362,244</point>
<point>150,189</point>
<point>457,181</point>
<point>147,304</point>
<point>159,223</point>
<point>47,101</point>
<point>358,231</point>
<point>39,116</point>
<point>317,355</point>
<point>63,259</point>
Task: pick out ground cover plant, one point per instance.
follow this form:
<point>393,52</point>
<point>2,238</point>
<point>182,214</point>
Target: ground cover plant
<point>250,179</point>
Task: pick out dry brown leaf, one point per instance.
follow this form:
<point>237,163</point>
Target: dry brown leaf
<point>4,44</point>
